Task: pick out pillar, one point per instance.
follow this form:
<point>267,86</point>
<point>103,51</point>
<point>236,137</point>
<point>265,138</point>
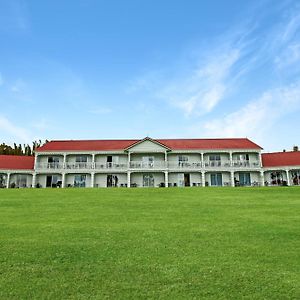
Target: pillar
<point>232,178</point>
<point>65,161</point>
<point>129,160</point>
<point>203,178</point>
<point>166,179</point>
<point>93,161</point>
<point>230,158</point>
<point>63,180</point>
<point>33,180</point>
<point>288,177</point>
<point>128,179</point>
<point>166,159</point>
<point>7,180</point>
<point>202,159</point>
<point>262,178</point>
<point>92,180</point>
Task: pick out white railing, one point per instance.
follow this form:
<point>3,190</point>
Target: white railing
<point>79,165</point>
<point>184,165</point>
<point>147,165</point>
<point>245,164</point>
<point>110,165</point>
<point>49,166</point>
<point>217,164</point>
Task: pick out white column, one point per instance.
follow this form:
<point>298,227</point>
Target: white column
<point>262,178</point>
<point>128,160</point>
<point>230,158</point>
<point>166,179</point>
<point>33,180</point>
<point>35,161</point>
<point>203,178</point>
<point>202,159</point>
<point>288,177</point>
<point>232,178</point>
<point>65,161</point>
<point>92,180</point>
<point>63,180</point>
<point>260,160</point>
<point>93,161</point>
<point>128,179</point>
<point>7,180</point>
<point>166,159</point>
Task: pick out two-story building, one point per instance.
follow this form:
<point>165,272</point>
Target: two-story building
<point>150,163</point>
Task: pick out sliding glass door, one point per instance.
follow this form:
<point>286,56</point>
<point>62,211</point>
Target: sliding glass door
<point>216,179</point>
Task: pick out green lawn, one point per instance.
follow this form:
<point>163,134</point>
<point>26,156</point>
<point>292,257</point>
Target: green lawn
<point>191,243</point>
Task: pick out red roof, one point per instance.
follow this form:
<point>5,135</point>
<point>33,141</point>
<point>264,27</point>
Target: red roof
<point>278,159</point>
<point>175,144</point>
<point>16,162</point>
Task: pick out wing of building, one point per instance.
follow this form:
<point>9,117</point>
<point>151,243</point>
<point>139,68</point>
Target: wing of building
<point>150,163</point>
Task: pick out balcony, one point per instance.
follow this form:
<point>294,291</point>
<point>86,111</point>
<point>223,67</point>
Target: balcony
<point>245,164</point>
<point>184,165</point>
<point>155,165</point>
<point>217,164</point>
<point>49,166</point>
<point>110,166</point>
<point>79,165</point>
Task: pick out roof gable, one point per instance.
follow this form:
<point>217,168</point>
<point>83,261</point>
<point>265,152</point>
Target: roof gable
<point>147,145</point>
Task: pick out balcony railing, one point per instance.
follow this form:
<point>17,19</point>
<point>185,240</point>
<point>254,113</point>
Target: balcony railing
<point>49,166</point>
<point>110,165</point>
<point>147,165</point>
<point>155,165</point>
<point>245,164</point>
<point>79,165</point>
<point>184,165</point>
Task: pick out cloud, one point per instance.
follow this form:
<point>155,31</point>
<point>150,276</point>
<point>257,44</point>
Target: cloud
<point>259,116</point>
<point>14,132</point>
<point>205,85</point>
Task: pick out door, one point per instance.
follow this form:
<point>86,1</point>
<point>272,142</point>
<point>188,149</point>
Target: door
<point>245,179</point>
<point>148,180</point>
<point>49,181</point>
<point>187,180</point>
<point>216,179</point>
<point>112,180</point>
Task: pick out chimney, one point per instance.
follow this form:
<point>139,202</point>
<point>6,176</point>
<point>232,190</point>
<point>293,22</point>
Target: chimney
<point>295,148</point>
<point>283,150</point>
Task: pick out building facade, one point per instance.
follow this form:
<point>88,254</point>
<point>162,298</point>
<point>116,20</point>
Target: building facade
<point>150,163</point>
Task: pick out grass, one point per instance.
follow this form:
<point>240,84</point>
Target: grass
<point>191,243</point>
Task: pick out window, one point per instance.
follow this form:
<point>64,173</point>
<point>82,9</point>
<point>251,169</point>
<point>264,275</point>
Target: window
<point>245,179</point>
<point>243,157</point>
<point>81,159</point>
<point>296,177</point>
<point>214,157</point>
<point>183,160</point>
<point>276,178</point>
<point>216,179</point>
<point>79,180</point>
<point>21,181</point>
<point>2,180</point>
<point>53,161</point>
<point>148,161</point>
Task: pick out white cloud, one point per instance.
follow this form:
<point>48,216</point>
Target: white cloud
<point>259,116</point>
<point>205,86</point>
<point>14,132</point>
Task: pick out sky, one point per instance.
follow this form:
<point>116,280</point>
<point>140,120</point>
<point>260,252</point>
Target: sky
<point>93,69</point>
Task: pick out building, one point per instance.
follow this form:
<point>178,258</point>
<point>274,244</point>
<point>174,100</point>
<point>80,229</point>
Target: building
<point>150,163</point>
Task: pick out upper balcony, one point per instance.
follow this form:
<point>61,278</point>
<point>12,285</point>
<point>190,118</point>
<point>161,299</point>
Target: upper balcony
<point>147,166</point>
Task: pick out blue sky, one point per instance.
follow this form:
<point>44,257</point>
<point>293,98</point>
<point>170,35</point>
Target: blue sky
<point>129,69</point>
